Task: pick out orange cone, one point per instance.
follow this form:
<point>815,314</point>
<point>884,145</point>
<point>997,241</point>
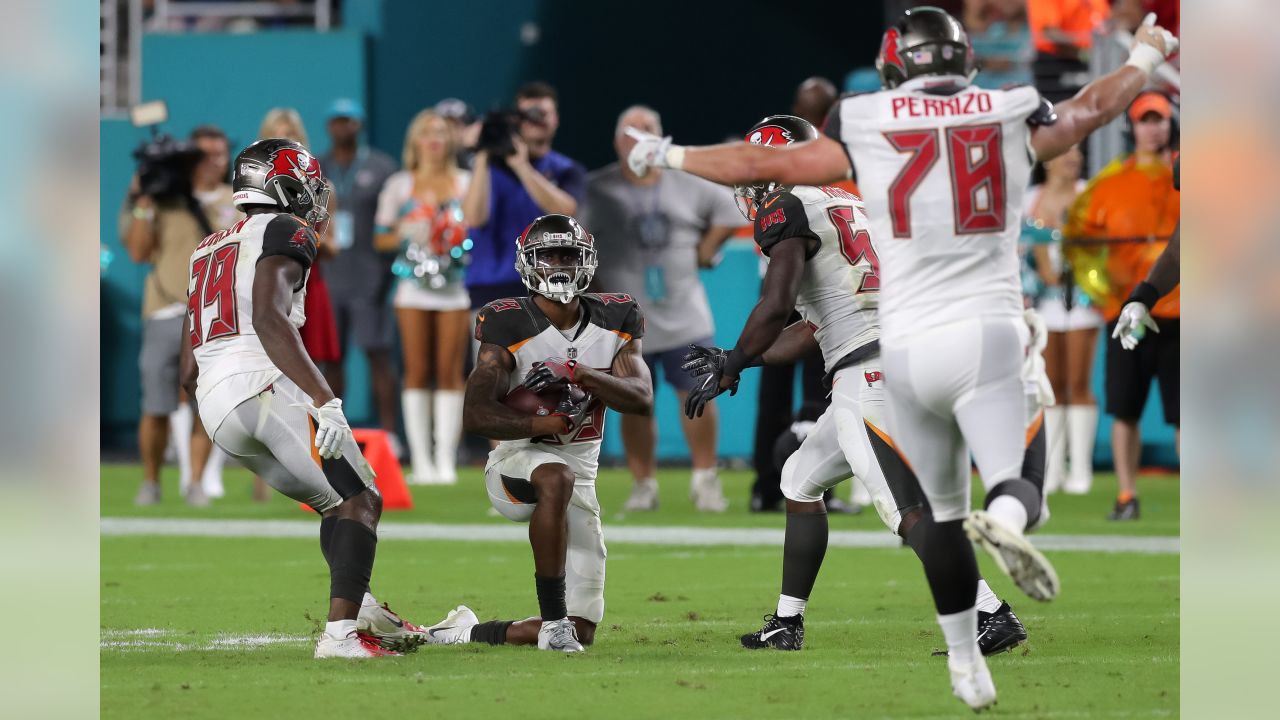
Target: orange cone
<point>390,481</point>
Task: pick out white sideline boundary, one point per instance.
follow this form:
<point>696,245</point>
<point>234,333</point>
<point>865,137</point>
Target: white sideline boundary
<point>646,535</point>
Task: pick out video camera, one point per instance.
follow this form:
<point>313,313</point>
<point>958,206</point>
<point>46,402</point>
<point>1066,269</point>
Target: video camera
<point>164,163</point>
<point>499,126</point>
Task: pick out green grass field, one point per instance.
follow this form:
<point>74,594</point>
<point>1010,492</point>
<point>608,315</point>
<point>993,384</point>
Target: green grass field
<point>224,627</point>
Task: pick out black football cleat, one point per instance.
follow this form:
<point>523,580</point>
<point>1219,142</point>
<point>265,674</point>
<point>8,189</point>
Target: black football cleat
<point>778,633</point>
<point>999,631</point>
<point>1125,510</point>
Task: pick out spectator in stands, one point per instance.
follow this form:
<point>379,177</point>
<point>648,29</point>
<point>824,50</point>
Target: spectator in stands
<point>360,276</point>
<point>653,233</point>
<point>419,210</point>
<point>1133,206</point>
<point>164,230</point>
<point>508,193</point>
<point>1001,41</point>
<point>1062,31</point>
<point>1073,329</point>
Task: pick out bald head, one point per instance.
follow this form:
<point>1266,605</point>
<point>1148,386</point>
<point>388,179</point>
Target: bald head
<point>639,116</point>
<point>814,99</point>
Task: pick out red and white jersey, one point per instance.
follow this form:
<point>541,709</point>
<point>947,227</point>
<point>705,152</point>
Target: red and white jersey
<point>840,288</point>
<point>943,167</point>
<point>609,321</point>
<point>233,364</point>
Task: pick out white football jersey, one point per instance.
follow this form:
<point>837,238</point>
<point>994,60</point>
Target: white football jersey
<point>609,322</point>
<point>943,167</point>
<point>233,365</point>
<point>840,287</point>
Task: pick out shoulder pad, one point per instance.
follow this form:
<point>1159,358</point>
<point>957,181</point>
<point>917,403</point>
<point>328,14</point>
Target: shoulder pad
<point>781,215</point>
<point>289,236</point>
<point>1043,115</point>
<point>616,312</point>
<point>507,322</point>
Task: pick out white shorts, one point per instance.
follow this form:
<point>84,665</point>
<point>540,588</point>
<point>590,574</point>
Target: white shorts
<point>954,389</point>
<point>506,478</point>
<point>411,295</point>
<point>1058,319</point>
<point>273,435</point>
<point>841,445</point>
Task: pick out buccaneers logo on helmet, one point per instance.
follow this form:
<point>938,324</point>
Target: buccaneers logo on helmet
<point>293,163</point>
<point>889,53</point>
<point>770,135</point>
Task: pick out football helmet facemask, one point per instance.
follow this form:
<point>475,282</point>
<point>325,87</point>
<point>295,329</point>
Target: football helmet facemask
<point>283,173</point>
<point>540,262</point>
<point>773,131</point>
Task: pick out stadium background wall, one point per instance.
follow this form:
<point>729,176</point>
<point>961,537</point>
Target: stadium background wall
<point>398,56</point>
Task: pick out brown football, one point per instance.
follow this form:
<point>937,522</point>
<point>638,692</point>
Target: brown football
<point>526,402</point>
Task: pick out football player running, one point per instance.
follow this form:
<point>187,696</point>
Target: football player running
<point>954,160</point>
<point>543,470</point>
<point>822,262</point>
<point>263,400</point>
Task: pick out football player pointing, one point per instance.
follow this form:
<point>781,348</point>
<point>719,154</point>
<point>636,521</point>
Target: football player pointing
<point>263,400</point>
<point>544,467</point>
<point>952,160</point>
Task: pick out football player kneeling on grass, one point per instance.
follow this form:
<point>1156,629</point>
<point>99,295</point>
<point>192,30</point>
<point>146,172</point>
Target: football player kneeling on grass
<point>263,400</point>
<point>578,353</point>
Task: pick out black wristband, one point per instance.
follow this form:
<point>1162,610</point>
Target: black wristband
<point>737,361</point>
<point>1145,293</point>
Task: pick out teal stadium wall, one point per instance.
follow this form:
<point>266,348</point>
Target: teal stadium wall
<point>398,56</point>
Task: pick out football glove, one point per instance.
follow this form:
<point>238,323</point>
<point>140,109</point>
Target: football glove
<point>706,390</point>
<point>1151,45</point>
<point>331,429</point>
<point>652,151</point>
<point>545,373</point>
<point>1133,324</point>
<point>702,360</point>
<point>573,407</point>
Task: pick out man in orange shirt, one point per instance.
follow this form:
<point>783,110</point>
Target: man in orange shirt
<point>1133,204</point>
<point>1062,31</point>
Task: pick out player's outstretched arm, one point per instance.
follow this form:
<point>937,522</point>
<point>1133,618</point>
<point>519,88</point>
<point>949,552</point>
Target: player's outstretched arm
<point>274,280</point>
<point>1102,100</point>
<point>816,162</point>
<point>627,387</point>
<point>482,410</point>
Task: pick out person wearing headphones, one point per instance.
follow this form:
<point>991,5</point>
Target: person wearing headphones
<point>1132,207</point>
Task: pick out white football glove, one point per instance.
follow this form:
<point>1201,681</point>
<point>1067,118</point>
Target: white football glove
<point>1133,324</point>
<point>652,151</point>
<point>1034,374</point>
<point>1144,54</point>
<point>332,429</point>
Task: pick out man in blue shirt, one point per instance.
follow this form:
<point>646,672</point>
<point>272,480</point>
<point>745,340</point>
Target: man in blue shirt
<point>506,194</point>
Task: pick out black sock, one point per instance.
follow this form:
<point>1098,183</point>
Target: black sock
<point>1024,492</point>
<point>1035,460</point>
<point>949,563</point>
<point>352,547</point>
<point>802,552</point>
<point>550,597</point>
<point>327,526</point>
<point>493,632</point>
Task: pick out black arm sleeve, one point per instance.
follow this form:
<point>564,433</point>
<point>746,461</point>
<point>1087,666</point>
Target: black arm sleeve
<point>287,235</point>
<point>780,216</point>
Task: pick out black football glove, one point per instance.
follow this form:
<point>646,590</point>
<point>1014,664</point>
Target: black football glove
<point>573,407</point>
<point>546,373</point>
<point>708,388</point>
<point>702,360</point>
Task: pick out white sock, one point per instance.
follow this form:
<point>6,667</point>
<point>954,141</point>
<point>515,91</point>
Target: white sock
<point>704,476</point>
<point>211,478</point>
<point>417,426</point>
<point>1055,436</point>
<point>447,405</point>
<point>180,423</point>
<point>339,628</point>
<point>961,632</point>
<point>1010,513</point>
<point>1082,430</point>
<point>791,606</point>
<point>369,600</point>
<point>987,600</point>
<point>649,482</point>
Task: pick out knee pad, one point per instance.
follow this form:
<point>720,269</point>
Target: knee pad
<point>795,487</point>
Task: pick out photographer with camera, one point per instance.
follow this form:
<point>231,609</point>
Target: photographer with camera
<point>517,178</point>
<point>179,195</point>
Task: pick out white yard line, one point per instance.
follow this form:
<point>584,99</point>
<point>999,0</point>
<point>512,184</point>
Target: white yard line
<point>700,536</point>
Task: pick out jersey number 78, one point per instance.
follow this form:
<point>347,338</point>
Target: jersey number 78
<point>975,160</point>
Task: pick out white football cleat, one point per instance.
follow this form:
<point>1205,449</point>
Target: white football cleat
<point>1015,555</point>
<point>387,628</point>
<point>354,646</point>
<point>559,635</point>
<point>971,682</point>
<point>453,627</point>
<point>644,496</point>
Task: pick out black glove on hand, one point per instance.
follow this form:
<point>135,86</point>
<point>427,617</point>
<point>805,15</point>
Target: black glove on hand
<point>573,407</point>
<point>703,360</point>
<point>707,389</point>
<point>545,373</point>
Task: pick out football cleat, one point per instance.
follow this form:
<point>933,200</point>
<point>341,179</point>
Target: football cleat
<point>453,628</point>
<point>388,629</point>
<point>1125,510</point>
<point>559,635</point>
<point>1015,555</point>
<point>999,631</point>
<point>644,496</point>
<point>778,633</point>
<point>355,646</point>
<point>972,683</point>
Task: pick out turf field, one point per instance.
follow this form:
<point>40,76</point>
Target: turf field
<point>221,627</point>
